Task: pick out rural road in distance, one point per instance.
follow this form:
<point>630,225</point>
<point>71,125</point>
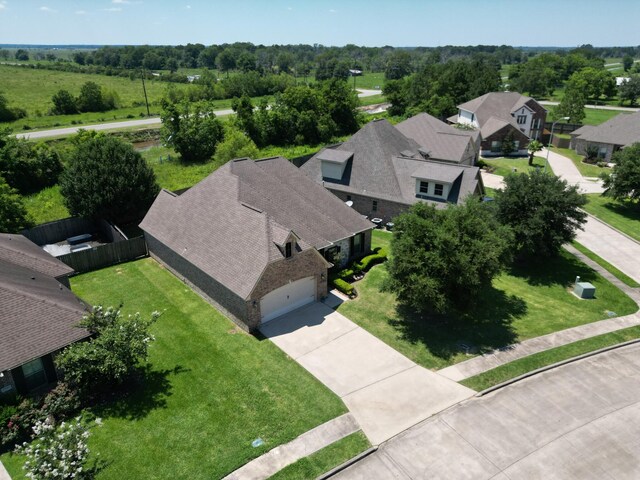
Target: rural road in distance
<point>145,122</point>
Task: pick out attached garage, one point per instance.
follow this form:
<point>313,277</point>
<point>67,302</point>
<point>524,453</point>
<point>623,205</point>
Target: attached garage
<point>287,298</point>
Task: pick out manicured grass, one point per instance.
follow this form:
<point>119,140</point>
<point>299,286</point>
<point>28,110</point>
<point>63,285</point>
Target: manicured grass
<point>373,100</point>
<point>324,460</point>
<point>596,116</point>
<point>607,266</point>
<point>369,80</point>
<point>210,392</point>
<point>504,166</point>
<point>625,216</point>
<point>523,303</point>
<point>548,357</point>
<point>585,169</point>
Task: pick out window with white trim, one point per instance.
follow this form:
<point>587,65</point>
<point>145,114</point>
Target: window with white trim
<point>522,119</point>
<point>438,189</point>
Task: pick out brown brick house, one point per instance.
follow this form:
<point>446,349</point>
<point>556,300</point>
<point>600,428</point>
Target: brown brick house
<point>38,315</point>
<point>497,114</point>
<point>383,171</point>
<point>255,238</point>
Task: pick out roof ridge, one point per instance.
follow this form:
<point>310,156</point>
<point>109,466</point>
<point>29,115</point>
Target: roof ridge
<point>22,293</point>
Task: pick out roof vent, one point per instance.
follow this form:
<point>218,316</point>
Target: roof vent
<point>424,152</point>
<point>349,203</point>
<point>407,153</point>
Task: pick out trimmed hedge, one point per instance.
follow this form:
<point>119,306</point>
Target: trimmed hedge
<point>343,286</point>
<point>370,260</point>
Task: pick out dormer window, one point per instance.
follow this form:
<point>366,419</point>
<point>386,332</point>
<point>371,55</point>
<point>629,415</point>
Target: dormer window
<point>333,163</point>
<point>287,250</point>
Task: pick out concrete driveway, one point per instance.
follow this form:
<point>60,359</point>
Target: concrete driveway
<point>580,421</point>
<point>385,391</point>
<point>616,248</point>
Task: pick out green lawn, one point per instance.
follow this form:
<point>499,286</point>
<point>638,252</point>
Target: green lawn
<point>503,166</point>
<point>595,116</point>
<point>373,100</point>
<point>324,460</point>
<point>607,266</point>
<point>46,205</point>
<point>211,390</point>
<point>549,357</point>
<point>625,216</point>
<point>586,170</point>
<point>521,304</point>
<point>369,80</point>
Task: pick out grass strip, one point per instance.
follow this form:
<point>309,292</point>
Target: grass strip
<point>325,459</point>
<point>606,265</point>
<point>542,359</point>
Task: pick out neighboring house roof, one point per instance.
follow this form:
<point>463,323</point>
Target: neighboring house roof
<point>442,141</point>
<point>493,110</point>
<point>38,315</point>
<point>19,250</point>
<point>623,129</point>
<point>383,164</point>
<point>231,224</point>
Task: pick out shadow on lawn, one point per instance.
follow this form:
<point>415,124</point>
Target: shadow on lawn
<point>560,270</point>
<point>629,210</point>
<point>146,392</point>
<point>486,328</point>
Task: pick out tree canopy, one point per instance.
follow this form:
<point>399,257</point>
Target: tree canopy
<point>442,259</point>
<point>13,214</point>
<point>624,181</point>
<point>192,129</point>
<point>106,178</point>
<point>542,210</point>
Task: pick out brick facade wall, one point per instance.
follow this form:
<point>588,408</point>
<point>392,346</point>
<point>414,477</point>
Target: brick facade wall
<point>485,146</point>
<point>277,274</point>
<point>580,146</point>
<point>362,204</point>
<point>230,304</point>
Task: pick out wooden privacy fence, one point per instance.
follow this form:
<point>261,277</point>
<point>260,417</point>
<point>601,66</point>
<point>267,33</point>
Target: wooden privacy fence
<point>106,255</point>
<point>54,232</point>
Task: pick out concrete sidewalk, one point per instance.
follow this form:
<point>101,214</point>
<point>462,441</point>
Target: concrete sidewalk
<point>4,475</point>
<point>306,444</point>
<point>384,390</point>
<point>564,168</point>
<point>508,354</point>
<point>492,180</point>
<point>616,248</point>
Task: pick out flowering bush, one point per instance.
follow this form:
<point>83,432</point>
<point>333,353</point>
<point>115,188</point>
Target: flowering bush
<point>112,355</point>
<point>57,452</point>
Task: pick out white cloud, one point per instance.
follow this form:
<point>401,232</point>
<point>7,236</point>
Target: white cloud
<point>332,11</point>
<point>120,1</point>
<point>47,9</point>
<point>188,7</point>
<point>289,8</point>
<point>81,12</point>
<point>113,9</point>
<point>3,5</point>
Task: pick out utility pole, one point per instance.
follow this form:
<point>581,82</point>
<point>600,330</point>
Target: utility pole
<point>146,100</point>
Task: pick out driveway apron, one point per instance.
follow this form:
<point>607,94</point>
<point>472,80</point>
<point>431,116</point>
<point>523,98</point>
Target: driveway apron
<point>384,390</point>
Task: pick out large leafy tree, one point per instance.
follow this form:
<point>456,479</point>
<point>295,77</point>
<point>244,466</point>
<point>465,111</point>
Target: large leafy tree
<point>543,211</point>
<point>63,103</point>
<point>13,214</point>
<point>192,129</point>
<point>106,178</point>
<point>624,182</point>
<point>442,259</point>
<point>571,105</point>
<point>236,144</point>
<point>630,90</point>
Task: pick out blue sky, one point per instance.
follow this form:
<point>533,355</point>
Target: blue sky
<point>328,22</point>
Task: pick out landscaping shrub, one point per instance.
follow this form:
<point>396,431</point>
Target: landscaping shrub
<point>370,260</point>
<point>343,286</point>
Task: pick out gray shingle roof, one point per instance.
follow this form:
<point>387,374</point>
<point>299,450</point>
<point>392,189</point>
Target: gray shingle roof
<point>623,129</point>
<point>497,106</point>
<point>230,223</point>
<point>19,250</point>
<point>379,170</point>
<point>443,141</point>
<point>336,156</point>
<point>38,315</point>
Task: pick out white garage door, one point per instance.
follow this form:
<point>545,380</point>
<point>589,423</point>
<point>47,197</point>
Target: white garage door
<point>288,297</point>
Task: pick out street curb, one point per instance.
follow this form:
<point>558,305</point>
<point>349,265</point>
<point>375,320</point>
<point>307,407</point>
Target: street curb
<point>347,464</point>
<point>611,227</point>
<point>555,365</point>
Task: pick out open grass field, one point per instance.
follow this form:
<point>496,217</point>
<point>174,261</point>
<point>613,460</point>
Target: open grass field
<point>504,166</point>
<point>596,116</point>
<point>210,392</point>
<point>625,216</point>
<point>548,357</point>
<point>32,89</point>
<point>324,460</point>
<point>522,303</point>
